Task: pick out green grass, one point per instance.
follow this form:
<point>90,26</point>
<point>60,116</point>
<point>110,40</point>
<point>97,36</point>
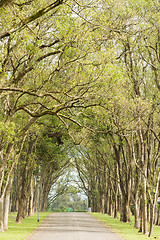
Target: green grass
<point>22,230</point>
<point>126,230</point>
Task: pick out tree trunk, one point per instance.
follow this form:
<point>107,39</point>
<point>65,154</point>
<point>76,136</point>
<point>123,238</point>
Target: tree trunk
<point>35,198</point>
<point>21,207</point>
<point>144,203</point>
<point>151,219</point>
<point>14,200</point>
<point>116,192</point>
<point>107,201</point>
<point>89,200</point>
<point>115,207</point>
<point>102,203</point>
<point>1,215</point>
<point>158,218</point>
<point>25,183</point>
<point>144,180</point>
<point>23,196</point>
<point>44,191</point>
<point>153,207</point>
<point>156,215</point>
<point>110,210</point>
<point>141,217</point>
<point>136,211</point>
<point>31,198</point>
<point>125,209</point>
<point>7,204</point>
<point>144,214</point>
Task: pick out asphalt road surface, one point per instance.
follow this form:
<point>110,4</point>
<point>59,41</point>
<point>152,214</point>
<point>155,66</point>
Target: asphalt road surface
<point>72,226</point>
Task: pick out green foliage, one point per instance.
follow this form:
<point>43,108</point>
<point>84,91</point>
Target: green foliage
<point>49,147</point>
<point>7,130</point>
<point>69,202</point>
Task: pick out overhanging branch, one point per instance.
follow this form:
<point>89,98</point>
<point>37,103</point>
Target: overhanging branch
<point>29,19</point>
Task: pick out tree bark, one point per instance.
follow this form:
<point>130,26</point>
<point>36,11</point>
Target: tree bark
<point>110,210</point>
<point>7,204</point>
<point>144,180</point>
<point>31,199</point>
<point>158,218</point>
<point>1,215</point>
<point>22,202</point>
<point>136,211</point>
<point>153,206</point>
<point>25,183</point>
<point>125,209</point>
<point>144,202</point>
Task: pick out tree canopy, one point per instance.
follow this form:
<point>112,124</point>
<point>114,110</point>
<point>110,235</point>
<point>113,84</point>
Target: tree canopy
<point>80,88</point>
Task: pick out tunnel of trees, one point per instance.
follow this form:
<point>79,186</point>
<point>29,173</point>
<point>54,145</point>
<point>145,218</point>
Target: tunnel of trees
<point>80,91</point>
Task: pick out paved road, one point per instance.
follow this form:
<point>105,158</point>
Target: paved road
<point>73,226</point>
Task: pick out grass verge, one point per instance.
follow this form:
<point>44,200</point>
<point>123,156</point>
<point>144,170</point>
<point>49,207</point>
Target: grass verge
<point>126,230</point>
<point>21,231</point>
